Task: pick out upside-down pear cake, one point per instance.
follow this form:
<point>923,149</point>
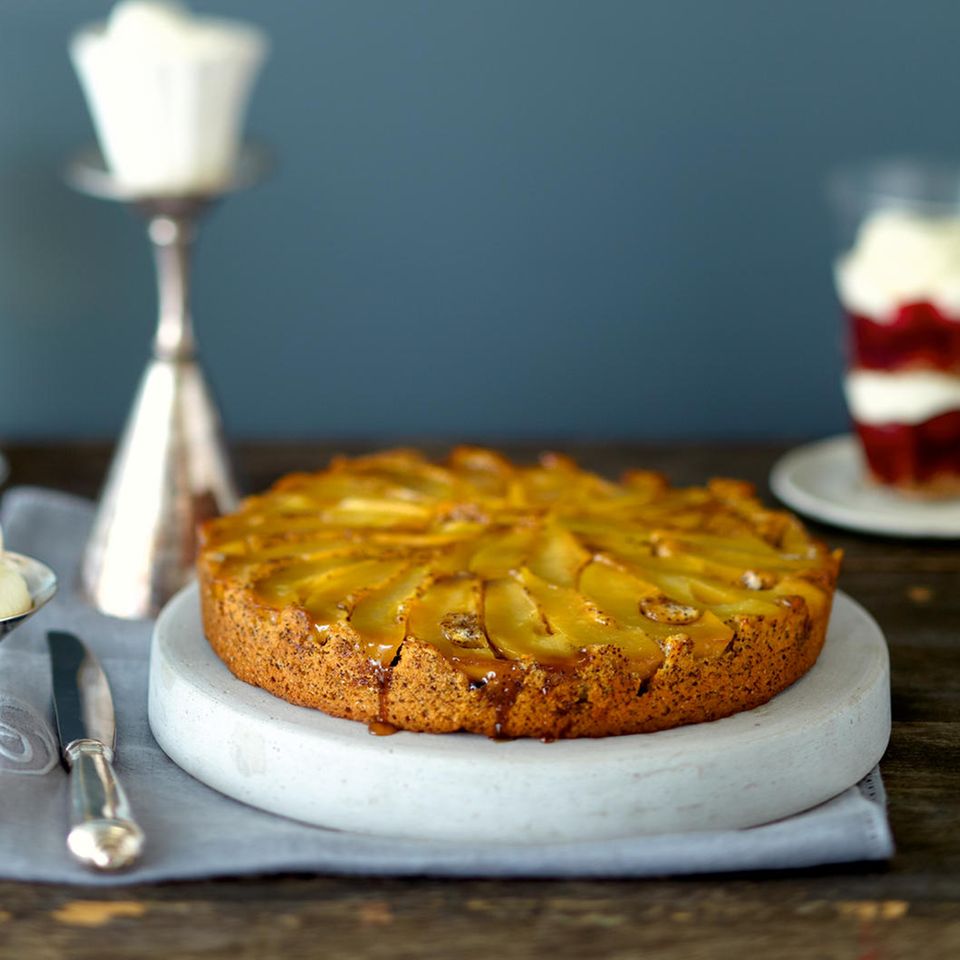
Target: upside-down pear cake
<point>513,601</point>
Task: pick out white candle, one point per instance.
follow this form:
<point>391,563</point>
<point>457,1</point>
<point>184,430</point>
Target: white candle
<point>168,92</point>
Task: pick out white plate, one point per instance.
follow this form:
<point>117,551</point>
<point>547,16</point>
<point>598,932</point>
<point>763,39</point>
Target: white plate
<point>808,744</point>
<point>826,480</point>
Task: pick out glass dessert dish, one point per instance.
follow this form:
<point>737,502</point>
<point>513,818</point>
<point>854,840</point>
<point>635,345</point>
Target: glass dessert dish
<point>898,280</point>
<point>41,584</point>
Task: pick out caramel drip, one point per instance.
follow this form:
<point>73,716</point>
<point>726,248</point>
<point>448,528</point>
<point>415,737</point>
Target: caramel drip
<point>381,726</point>
<point>501,688</point>
<point>378,728</point>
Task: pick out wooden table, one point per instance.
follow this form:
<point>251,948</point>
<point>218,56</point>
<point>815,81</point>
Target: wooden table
<point>909,908</point>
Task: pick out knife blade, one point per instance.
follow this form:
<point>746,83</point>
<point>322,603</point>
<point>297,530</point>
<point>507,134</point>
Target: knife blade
<point>103,834</point>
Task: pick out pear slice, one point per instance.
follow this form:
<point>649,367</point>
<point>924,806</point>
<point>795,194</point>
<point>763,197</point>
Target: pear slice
<point>295,560</point>
<point>449,616</point>
<point>501,552</point>
<point>515,626</point>
<point>677,571</point>
<point>645,485</point>
<point>751,560</point>
<point>571,616</point>
<point>711,542</point>
<point>615,591</point>
<point>293,583</point>
<point>315,548</point>
<point>453,560</point>
<point>285,526</point>
<point>620,544</point>
<point>333,595</point>
<point>814,596</point>
<point>408,470</point>
<point>727,600</point>
<point>481,470</point>
<point>557,556</point>
<point>380,616</point>
<point>622,594</point>
<point>332,487</point>
<point>743,552</point>
<point>425,540</point>
<point>371,512</point>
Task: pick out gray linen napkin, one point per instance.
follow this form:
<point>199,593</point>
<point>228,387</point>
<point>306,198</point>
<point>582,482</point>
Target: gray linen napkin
<point>193,831</point>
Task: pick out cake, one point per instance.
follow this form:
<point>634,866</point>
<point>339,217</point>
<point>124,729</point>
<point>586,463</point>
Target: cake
<point>900,287</point>
<point>512,601</point>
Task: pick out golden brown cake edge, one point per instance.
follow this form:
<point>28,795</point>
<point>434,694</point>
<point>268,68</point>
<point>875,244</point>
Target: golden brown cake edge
<point>600,695</point>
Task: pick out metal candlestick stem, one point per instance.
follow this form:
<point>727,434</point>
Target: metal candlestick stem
<point>171,470</point>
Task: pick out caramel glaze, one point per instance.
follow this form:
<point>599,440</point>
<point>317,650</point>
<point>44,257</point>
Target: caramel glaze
<point>380,728</point>
<point>502,567</point>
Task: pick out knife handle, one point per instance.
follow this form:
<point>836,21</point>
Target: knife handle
<point>103,833</point>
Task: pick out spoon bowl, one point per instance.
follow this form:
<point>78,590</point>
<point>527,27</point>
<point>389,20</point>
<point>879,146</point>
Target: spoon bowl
<point>41,584</point>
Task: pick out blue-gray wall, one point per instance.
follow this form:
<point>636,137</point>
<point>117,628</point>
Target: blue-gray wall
<point>593,218</point>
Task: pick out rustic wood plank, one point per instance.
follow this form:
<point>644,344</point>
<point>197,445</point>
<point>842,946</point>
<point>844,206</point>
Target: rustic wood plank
<point>305,919</point>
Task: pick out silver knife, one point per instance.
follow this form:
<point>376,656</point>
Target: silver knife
<point>103,834</point>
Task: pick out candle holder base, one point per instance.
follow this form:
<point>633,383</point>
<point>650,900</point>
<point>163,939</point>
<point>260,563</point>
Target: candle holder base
<point>171,470</point>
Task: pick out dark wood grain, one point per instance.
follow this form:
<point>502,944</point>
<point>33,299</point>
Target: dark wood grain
<point>909,908</point>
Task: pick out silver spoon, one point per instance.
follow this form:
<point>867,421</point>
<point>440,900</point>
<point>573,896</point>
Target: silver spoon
<point>41,584</point>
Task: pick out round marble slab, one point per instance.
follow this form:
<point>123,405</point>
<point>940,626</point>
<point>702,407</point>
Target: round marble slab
<point>808,744</point>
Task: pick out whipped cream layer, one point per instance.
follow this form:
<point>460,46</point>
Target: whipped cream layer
<point>168,93</point>
<point>15,598</point>
<point>898,258</point>
<point>908,397</point>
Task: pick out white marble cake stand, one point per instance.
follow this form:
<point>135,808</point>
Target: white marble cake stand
<point>808,744</point>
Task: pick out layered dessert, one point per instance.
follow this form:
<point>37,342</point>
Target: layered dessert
<point>540,601</point>
<point>168,93</point>
<point>900,288</point>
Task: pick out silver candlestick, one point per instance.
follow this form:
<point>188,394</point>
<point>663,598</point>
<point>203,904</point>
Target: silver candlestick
<point>171,470</point>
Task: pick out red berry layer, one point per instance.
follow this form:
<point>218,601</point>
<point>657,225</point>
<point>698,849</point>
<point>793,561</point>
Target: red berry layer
<point>911,455</point>
<point>920,335</point>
